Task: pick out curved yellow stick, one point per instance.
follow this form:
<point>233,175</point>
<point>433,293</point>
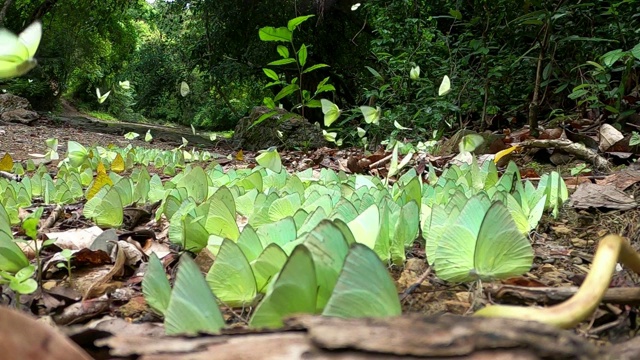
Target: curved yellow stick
<point>612,248</point>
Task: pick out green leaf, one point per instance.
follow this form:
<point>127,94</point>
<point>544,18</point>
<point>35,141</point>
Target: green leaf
<point>155,286</point>
<point>364,288</point>
<point>295,22</point>
<point>262,118</point>
<point>283,51</point>
<point>375,73</point>
<point>25,273</point>
<point>314,104</point>
<point>270,33</point>
<point>286,91</point>
<point>24,287</point>
<point>302,55</point>
<point>283,62</point>
<point>612,56</point>
<point>271,74</point>
<point>636,51</point>
<point>30,227</point>
<point>192,308</point>
<point>456,14</point>
<point>314,67</point>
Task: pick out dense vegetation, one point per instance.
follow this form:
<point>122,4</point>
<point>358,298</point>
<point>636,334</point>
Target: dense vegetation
<point>507,60</point>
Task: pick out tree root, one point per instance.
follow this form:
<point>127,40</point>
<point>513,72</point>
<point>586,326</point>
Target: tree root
<point>612,248</point>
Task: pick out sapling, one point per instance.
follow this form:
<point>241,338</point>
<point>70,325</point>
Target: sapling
<point>67,255</point>
<point>22,282</point>
<point>579,169</point>
<point>30,227</point>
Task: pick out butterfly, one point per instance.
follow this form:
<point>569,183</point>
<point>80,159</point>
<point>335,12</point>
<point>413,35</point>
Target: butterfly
<point>16,52</point>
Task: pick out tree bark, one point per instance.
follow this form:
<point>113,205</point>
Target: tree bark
<point>3,11</point>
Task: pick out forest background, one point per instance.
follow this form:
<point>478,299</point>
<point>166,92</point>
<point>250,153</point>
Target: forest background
<point>509,61</point>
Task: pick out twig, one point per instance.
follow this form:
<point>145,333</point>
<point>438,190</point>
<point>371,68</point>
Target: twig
<point>9,176</point>
<point>384,160</point>
<point>56,213</point>
<point>413,287</point>
<point>572,148</point>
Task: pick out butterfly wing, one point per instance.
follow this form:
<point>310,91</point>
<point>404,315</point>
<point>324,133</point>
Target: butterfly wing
<point>455,250</point>
<point>30,37</point>
<point>502,250</point>
<point>13,55</point>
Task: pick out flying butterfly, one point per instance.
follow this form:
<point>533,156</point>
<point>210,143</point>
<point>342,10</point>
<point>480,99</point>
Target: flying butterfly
<point>16,52</point>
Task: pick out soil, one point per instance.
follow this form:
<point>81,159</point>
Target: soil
<point>70,124</point>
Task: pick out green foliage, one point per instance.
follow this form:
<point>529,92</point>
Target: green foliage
<point>66,255</point>
<point>298,56</point>
<point>599,90</point>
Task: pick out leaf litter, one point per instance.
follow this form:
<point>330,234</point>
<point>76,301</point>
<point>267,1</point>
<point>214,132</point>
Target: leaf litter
<point>563,247</point>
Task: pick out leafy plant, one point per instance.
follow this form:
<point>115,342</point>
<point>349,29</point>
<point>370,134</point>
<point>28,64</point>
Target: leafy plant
<point>66,255</point>
<point>22,282</point>
<point>600,90</point>
<point>299,59</point>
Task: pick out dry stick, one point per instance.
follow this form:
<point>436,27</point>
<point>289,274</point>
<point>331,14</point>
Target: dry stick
<point>384,160</point>
<point>56,213</point>
<point>555,295</point>
<point>612,248</point>
<point>9,176</point>
<point>576,149</point>
<point>415,285</point>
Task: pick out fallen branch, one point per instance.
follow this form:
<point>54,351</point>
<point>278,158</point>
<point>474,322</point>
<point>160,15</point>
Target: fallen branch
<point>576,149</point>
<point>10,176</point>
<point>555,295</point>
<point>56,213</point>
<point>612,248</point>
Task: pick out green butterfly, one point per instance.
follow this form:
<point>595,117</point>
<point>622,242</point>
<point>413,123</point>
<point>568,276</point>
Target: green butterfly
<point>331,112</point>
<point>482,243</point>
<point>16,52</point>
<point>270,159</point>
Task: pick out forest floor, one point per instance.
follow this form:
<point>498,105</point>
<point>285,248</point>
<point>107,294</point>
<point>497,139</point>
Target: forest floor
<point>564,247</point>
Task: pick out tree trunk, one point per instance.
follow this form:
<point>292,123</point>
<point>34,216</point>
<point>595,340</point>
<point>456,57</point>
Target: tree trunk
<point>3,11</point>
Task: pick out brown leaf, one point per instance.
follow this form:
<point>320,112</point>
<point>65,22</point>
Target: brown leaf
<point>24,338</point>
<point>104,284</point>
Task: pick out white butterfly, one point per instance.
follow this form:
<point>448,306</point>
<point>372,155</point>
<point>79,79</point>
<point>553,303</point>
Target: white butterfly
<point>103,97</point>
<point>16,52</point>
